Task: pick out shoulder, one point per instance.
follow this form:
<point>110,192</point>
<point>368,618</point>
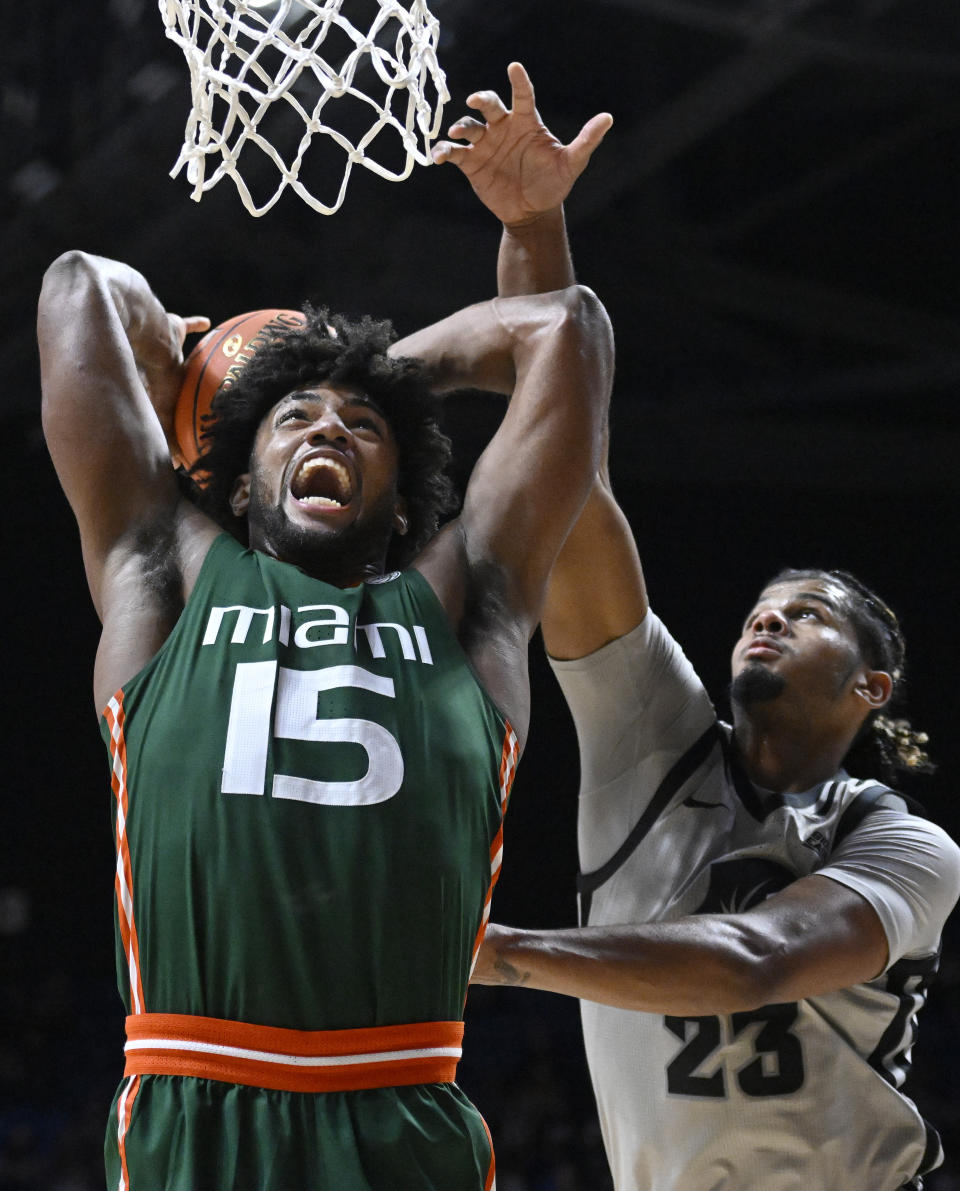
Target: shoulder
<point>640,713</point>
<point>870,812</point>
<point>907,868</point>
<point>646,666</point>
<point>874,810</point>
<point>638,643</point>
<point>901,832</point>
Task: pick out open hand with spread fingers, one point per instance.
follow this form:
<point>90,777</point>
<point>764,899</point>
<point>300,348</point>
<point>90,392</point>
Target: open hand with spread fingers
<point>516,166</point>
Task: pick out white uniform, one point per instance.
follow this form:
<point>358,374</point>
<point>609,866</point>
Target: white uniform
<point>795,1097</point>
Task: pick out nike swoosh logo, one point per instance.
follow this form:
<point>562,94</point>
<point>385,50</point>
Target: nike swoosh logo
<point>695,802</point>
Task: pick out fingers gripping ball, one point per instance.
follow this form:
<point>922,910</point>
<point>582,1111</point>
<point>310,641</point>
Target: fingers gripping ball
<point>215,363</point>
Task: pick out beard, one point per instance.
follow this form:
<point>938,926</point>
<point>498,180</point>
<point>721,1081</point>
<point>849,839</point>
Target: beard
<point>755,684</point>
<point>332,556</point>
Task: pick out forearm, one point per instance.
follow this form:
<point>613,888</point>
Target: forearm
<point>88,312</point>
<point>154,338</point>
<point>100,318</point>
<point>535,257</point>
<point>468,349</point>
<point>77,281</point>
<point>813,937</point>
<point>486,345</point>
<point>702,965</point>
<point>102,432</point>
<point>531,479</point>
<point>461,352</point>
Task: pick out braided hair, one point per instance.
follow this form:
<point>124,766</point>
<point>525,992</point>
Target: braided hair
<point>886,746</point>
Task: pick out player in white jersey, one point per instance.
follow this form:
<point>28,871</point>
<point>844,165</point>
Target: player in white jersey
<point>759,928</point>
<point>762,1063</point>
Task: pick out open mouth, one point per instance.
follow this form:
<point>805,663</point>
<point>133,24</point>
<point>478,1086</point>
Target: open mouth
<point>323,482</point>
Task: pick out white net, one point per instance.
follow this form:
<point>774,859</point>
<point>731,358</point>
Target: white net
<point>254,62</point>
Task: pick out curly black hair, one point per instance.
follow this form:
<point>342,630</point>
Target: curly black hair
<point>339,351</point>
<point>885,747</point>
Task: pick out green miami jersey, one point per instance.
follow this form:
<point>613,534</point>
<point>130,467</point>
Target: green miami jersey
<point>309,788</point>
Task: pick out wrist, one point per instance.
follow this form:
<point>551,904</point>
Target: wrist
<point>534,255</point>
<point>503,960</point>
<point>538,221</point>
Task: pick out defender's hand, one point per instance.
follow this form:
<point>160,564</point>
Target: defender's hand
<point>516,166</point>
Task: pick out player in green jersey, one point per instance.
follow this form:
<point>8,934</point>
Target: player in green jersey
<point>310,755</point>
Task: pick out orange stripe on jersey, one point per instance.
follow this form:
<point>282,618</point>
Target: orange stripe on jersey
<point>124,1112</point>
<point>292,1060</point>
<point>123,881</point>
<point>509,756</point>
<point>492,1171</point>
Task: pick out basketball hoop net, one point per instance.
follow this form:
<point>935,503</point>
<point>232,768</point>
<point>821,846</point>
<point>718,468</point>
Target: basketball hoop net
<point>245,55</point>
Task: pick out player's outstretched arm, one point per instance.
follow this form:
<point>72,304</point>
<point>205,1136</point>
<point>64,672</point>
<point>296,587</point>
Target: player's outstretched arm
<point>813,938</point>
<point>110,360</point>
<point>554,354</point>
<point>522,173</point>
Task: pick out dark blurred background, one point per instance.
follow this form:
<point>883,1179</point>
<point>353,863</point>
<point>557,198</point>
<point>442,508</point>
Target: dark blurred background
<point>773,226</point>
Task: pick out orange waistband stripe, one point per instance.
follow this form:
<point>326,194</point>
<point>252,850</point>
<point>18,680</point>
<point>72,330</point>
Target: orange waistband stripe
<point>292,1060</point>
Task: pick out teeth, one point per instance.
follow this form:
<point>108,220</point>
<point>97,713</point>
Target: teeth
<point>338,469</point>
<point>336,472</point>
<point>325,501</point>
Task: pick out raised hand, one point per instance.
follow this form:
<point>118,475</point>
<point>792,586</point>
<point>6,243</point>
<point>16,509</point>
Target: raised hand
<point>516,166</point>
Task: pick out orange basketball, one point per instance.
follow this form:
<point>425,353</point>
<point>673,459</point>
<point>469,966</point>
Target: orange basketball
<point>215,363</point>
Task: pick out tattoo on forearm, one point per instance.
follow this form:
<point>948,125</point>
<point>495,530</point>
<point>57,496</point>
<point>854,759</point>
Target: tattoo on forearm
<point>509,974</point>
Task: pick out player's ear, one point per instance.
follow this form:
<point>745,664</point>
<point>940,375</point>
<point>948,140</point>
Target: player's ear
<point>240,496</point>
<point>400,521</point>
<point>875,687</point>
